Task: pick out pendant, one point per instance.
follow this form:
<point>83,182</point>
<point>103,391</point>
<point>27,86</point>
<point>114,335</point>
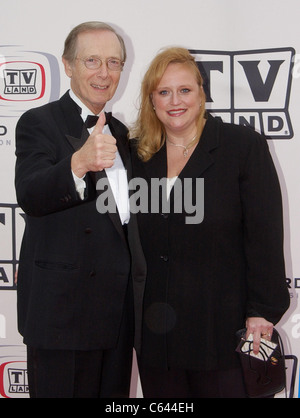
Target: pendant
<point>185,152</point>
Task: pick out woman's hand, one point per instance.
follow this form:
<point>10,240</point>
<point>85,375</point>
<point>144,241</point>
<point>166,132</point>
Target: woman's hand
<point>259,328</point>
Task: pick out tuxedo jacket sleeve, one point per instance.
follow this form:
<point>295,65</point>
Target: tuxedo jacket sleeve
<point>44,182</point>
<point>74,262</point>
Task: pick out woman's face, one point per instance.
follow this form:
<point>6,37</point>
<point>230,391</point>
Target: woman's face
<point>177,100</point>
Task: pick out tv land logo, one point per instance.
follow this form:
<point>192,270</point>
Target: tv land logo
<point>26,77</point>
<point>11,232</point>
<point>25,81</point>
<point>250,88</point>
<point>13,372</point>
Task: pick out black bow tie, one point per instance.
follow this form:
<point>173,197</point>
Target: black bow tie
<point>91,120</point>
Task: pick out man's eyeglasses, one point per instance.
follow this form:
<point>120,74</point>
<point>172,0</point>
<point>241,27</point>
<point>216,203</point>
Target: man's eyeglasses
<point>113,64</point>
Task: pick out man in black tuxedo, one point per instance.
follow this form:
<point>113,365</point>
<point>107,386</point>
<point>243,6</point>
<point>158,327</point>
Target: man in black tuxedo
<point>75,299</point>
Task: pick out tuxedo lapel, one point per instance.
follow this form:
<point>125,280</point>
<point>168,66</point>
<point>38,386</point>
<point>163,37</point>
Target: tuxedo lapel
<point>76,134</point>
<point>76,143</point>
<point>71,117</point>
<point>121,137</point>
<point>122,141</point>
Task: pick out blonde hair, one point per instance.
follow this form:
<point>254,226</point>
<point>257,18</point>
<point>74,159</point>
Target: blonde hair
<point>148,129</point>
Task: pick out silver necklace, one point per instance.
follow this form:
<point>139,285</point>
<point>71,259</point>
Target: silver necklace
<point>186,147</point>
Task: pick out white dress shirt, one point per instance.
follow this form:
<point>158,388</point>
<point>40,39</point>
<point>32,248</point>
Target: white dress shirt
<point>170,184</point>
<point>117,175</point>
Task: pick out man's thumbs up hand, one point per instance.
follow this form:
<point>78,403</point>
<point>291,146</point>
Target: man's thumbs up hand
<point>98,152</point>
<point>100,124</point>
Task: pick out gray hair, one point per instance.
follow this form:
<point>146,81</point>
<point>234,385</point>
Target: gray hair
<point>69,53</point>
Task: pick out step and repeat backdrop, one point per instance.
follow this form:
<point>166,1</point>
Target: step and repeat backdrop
<point>249,53</point>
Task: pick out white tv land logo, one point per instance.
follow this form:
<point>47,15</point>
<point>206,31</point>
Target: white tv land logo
<point>26,77</point>
<point>250,88</point>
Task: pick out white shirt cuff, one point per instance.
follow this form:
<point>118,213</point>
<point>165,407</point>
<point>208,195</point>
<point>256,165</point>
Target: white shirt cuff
<point>80,185</point>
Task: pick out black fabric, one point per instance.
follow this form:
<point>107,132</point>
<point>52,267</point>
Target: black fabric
<point>77,295</point>
<point>204,279</point>
<point>177,383</point>
<point>91,120</point>
<point>84,373</point>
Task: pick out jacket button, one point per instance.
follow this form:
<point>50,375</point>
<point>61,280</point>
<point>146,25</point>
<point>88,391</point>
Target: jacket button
<point>66,199</point>
<point>88,230</point>
<point>164,257</point>
<point>92,273</point>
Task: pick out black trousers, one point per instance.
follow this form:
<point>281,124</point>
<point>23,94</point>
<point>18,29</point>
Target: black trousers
<point>84,374</point>
<point>78,374</point>
<point>160,383</point>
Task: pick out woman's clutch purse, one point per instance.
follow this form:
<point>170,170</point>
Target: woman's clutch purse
<point>264,373</point>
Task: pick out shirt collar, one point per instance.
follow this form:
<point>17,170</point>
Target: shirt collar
<point>85,111</point>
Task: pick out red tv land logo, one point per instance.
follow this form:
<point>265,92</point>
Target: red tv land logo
<point>250,88</point>
<point>27,79</point>
<point>13,372</point>
<point>23,80</point>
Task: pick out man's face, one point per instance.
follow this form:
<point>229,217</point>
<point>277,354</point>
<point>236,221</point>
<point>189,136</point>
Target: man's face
<point>95,87</point>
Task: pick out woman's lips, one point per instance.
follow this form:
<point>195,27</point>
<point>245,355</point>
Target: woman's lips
<point>176,112</point>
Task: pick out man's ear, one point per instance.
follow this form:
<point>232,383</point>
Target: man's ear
<point>68,67</point>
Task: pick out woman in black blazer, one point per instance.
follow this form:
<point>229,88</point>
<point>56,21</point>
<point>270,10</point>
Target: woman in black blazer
<point>214,271</point>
